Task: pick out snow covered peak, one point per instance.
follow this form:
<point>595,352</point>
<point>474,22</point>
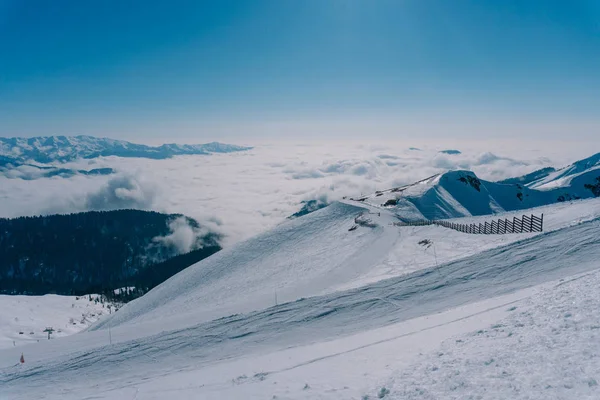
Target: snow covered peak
<point>47,149</point>
<point>461,193</point>
<point>551,178</point>
<point>564,176</point>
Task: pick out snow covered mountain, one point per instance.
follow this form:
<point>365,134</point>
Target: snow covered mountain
<point>529,178</point>
<point>548,178</point>
<point>457,194</point>
<point>575,174</point>
<point>49,149</point>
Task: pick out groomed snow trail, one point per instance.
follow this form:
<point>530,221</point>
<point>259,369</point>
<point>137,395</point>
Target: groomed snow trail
<point>112,371</point>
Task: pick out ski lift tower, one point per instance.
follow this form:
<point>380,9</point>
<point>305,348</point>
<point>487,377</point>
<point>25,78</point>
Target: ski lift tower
<point>50,330</point>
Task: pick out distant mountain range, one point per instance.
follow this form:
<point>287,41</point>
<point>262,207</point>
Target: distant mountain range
<point>31,171</point>
<point>461,193</point>
<point>53,149</point>
<point>530,178</point>
<point>97,252</point>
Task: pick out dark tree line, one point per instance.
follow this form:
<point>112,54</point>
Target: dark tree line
<point>91,252</point>
<point>155,274</point>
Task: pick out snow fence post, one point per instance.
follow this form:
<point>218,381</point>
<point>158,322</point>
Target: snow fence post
<point>531,223</point>
<point>522,222</point>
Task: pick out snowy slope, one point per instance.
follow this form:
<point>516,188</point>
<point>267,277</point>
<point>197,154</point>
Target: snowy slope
<point>300,258</point>
<point>411,253</point>
<point>50,149</point>
<point>342,344</point>
<point>546,347</point>
<point>314,255</point>
<point>530,178</point>
<point>31,315</point>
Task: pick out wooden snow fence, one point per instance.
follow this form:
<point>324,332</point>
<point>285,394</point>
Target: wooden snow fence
<point>501,226</point>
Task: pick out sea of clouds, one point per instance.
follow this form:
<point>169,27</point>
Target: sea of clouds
<point>241,194</point>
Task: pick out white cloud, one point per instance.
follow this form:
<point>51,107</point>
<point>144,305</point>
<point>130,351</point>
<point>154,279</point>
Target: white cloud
<point>242,194</point>
<point>182,236</point>
<point>125,191</point>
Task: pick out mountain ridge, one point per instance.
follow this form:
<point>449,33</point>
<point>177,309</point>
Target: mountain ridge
<point>541,177</point>
<point>461,193</point>
<point>49,149</point>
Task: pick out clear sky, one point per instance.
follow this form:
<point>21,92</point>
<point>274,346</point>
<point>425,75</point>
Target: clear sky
<point>247,69</point>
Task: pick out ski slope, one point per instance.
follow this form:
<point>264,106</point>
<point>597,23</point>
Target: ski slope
<point>316,255</point>
<point>300,258</point>
<point>408,255</point>
<point>339,343</point>
<point>23,319</point>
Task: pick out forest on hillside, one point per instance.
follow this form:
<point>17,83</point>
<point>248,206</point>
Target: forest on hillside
<point>94,252</point>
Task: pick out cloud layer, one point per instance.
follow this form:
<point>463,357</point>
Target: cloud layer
<point>242,194</point>
<point>183,237</point>
<point>126,191</point>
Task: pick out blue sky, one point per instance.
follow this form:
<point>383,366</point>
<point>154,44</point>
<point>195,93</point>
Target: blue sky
<point>247,69</point>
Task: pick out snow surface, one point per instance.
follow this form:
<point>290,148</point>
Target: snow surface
<point>547,347</point>
<point>33,314</point>
<point>444,245</point>
<point>339,344</point>
<point>300,258</point>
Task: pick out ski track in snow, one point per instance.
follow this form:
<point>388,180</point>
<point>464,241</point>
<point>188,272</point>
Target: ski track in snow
<point>547,348</point>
